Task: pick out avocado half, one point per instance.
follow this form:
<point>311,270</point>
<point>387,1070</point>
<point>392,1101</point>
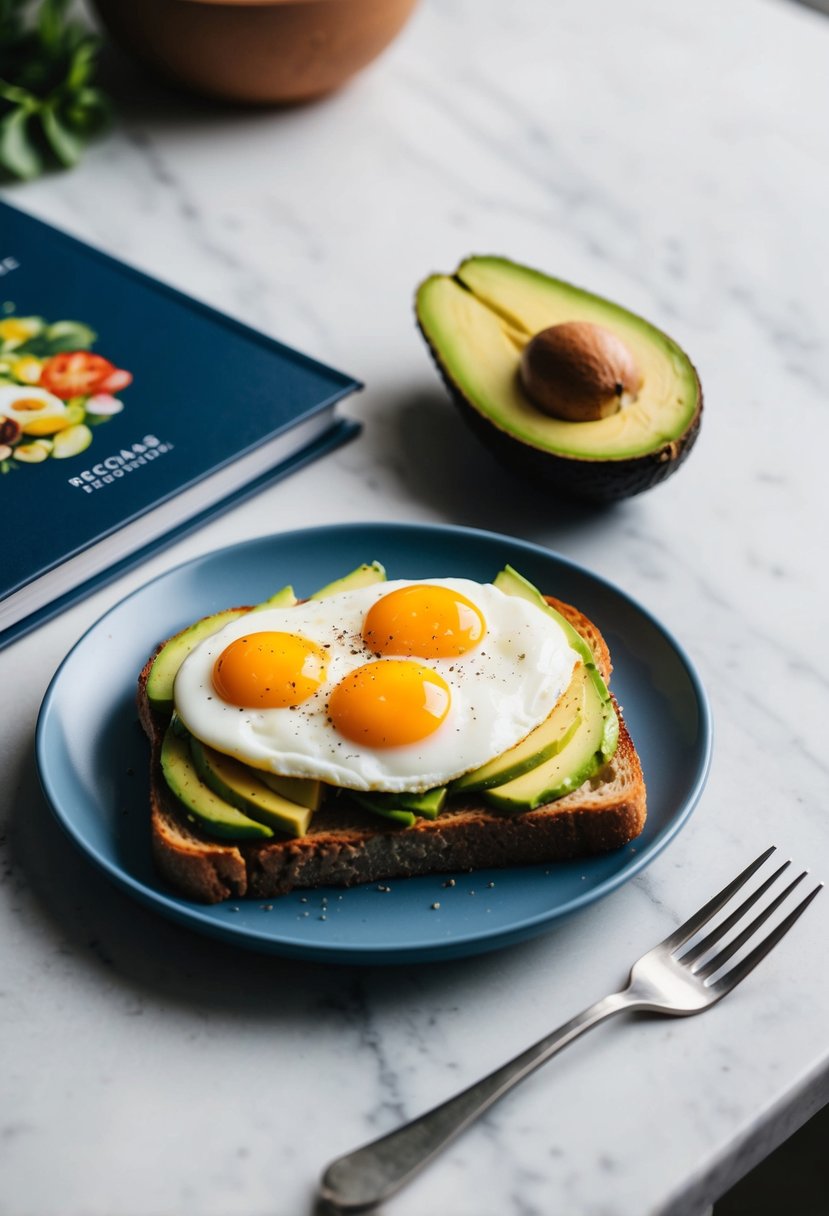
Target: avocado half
<point>477,323</point>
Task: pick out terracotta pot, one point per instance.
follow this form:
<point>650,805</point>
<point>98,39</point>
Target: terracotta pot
<point>255,50</point>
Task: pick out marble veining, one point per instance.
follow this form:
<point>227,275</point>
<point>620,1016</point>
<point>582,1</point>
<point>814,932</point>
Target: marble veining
<point>675,159</point>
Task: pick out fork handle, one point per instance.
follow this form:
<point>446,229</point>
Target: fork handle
<point>370,1174</point>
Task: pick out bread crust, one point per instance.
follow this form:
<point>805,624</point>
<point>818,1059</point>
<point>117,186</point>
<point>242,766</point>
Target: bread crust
<point>346,845</point>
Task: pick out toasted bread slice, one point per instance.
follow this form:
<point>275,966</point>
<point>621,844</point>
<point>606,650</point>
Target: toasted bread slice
<point>346,845</point>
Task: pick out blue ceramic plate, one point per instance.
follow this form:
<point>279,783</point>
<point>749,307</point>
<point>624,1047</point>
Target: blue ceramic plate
<point>92,755</point>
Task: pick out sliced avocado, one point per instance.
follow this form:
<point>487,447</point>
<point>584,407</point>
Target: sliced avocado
<point>237,785</point>
<point>71,442</point>
<point>511,582</point>
<point>302,790</point>
<point>165,667</point>
<point>478,323</point>
<point>203,806</point>
<point>590,747</point>
<point>595,739</point>
<point>171,656</point>
<point>540,744</point>
<point>364,576</point>
<point>395,813</point>
<point>284,598</point>
<point>428,804</point>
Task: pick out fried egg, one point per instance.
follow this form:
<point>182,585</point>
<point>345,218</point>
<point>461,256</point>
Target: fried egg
<point>37,411</point>
<point>398,686</point>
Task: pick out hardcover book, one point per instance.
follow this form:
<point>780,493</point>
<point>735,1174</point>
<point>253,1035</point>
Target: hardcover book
<point>129,413</point>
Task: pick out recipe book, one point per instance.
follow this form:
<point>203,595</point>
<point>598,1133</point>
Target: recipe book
<point>129,413</point>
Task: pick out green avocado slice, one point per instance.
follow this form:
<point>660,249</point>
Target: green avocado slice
<point>396,814</point>
<point>364,576</point>
<point>201,804</point>
<point>591,745</point>
<point>237,784</point>
<point>477,323</point>
<point>545,741</point>
<point>428,804</point>
<point>283,598</point>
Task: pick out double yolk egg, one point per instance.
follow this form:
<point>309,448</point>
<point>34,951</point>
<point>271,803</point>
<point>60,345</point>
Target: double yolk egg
<point>396,686</point>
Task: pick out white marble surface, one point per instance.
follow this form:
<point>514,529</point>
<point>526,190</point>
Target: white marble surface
<point>676,159</point>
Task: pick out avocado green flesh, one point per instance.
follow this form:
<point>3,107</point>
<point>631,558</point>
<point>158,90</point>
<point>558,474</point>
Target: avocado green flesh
<point>478,322</point>
<point>304,790</point>
<point>202,805</point>
<point>364,576</point>
<point>590,747</point>
<point>238,786</point>
<point>545,741</point>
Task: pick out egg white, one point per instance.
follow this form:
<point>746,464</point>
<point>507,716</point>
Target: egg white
<point>501,690</point>
<point>53,407</point>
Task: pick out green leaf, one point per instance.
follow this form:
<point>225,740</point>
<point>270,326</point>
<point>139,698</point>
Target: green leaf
<point>18,96</point>
<point>47,63</point>
<point>51,23</point>
<point>66,144</point>
<point>82,63</point>
<point>72,335</point>
<point>87,111</point>
<point>18,154</point>
<point>62,336</point>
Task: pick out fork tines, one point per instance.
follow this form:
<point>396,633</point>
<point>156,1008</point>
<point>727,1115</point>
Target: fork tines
<point>704,959</point>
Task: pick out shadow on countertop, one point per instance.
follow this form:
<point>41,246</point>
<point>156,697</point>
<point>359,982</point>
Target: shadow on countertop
<point>445,466</point>
<point>793,1181</point>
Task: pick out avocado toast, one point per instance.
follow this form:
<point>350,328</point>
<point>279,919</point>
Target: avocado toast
<point>564,792</point>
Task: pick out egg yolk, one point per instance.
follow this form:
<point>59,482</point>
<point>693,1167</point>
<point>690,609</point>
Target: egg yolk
<point>269,670</point>
<point>389,703</point>
<point>429,622</point>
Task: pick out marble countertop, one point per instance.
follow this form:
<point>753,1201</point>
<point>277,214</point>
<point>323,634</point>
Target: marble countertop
<point>676,159</point>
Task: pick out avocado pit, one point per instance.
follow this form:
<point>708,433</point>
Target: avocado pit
<point>578,371</point>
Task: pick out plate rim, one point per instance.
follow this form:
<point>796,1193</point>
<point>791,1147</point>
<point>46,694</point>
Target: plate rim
<point>194,915</point>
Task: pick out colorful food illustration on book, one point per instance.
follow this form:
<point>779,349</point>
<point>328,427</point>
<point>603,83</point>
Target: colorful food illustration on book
<point>53,389</point>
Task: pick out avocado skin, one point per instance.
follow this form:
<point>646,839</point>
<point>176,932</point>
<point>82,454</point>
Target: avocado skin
<point>595,481</point>
<point>429,804</point>
<point>398,815</point>
<point>604,480</point>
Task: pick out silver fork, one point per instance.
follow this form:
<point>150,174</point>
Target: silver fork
<point>665,980</point>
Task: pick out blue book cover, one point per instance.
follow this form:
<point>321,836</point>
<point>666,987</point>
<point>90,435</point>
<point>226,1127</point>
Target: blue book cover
<point>129,413</point>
